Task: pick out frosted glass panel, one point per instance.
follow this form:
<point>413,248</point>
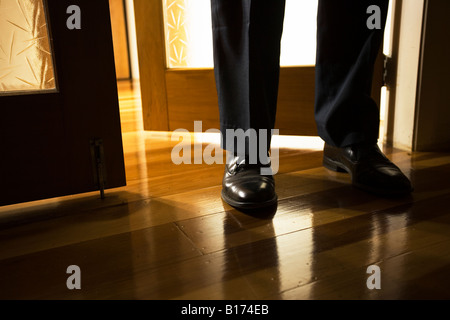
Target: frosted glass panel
<point>25,53</point>
<point>189,35</point>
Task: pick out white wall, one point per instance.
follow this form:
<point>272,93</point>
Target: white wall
<point>406,55</point>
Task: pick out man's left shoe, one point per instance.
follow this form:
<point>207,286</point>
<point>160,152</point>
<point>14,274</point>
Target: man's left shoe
<point>369,168</point>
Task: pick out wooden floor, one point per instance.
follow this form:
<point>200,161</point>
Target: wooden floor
<point>168,235</point>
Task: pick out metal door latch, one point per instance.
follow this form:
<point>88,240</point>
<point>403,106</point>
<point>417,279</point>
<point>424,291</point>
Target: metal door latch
<point>98,165</point>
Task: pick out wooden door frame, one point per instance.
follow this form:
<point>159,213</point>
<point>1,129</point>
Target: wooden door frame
<point>120,39</point>
<point>152,61</point>
<point>164,90</point>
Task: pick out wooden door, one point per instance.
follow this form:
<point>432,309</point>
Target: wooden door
<point>175,98</point>
<point>65,140</point>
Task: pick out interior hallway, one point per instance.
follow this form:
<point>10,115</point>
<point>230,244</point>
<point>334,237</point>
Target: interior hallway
<point>168,235</point>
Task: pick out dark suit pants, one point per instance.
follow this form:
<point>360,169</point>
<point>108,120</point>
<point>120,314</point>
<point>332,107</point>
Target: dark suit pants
<point>246,38</point>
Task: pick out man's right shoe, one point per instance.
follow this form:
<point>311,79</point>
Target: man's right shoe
<point>243,186</point>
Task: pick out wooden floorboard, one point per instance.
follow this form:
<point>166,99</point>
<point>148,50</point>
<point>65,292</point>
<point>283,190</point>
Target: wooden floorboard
<point>168,234</point>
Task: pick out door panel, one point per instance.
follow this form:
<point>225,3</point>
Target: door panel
<point>45,138</point>
<point>191,96</point>
<point>295,110</point>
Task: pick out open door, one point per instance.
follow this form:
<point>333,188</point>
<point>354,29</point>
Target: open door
<point>59,115</point>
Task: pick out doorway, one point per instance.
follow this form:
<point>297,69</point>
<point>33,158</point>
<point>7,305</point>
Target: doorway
<point>176,92</point>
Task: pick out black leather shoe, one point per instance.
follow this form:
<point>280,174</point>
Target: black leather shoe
<point>369,168</point>
<point>244,187</point>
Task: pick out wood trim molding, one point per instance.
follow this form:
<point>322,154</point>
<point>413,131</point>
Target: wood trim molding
<point>120,39</point>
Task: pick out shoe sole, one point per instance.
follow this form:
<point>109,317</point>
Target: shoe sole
<point>335,166</point>
<point>249,205</point>
<point>339,167</point>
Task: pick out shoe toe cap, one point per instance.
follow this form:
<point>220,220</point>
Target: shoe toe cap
<point>250,192</point>
<point>387,180</point>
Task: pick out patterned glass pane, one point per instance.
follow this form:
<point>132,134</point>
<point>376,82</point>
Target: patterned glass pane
<point>25,53</point>
<point>189,34</point>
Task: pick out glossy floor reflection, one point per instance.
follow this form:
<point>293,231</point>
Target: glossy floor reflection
<point>168,234</point>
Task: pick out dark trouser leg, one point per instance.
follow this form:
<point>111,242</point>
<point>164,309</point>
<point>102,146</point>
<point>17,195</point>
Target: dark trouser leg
<point>346,115</point>
<point>246,39</point>
<point>346,52</point>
